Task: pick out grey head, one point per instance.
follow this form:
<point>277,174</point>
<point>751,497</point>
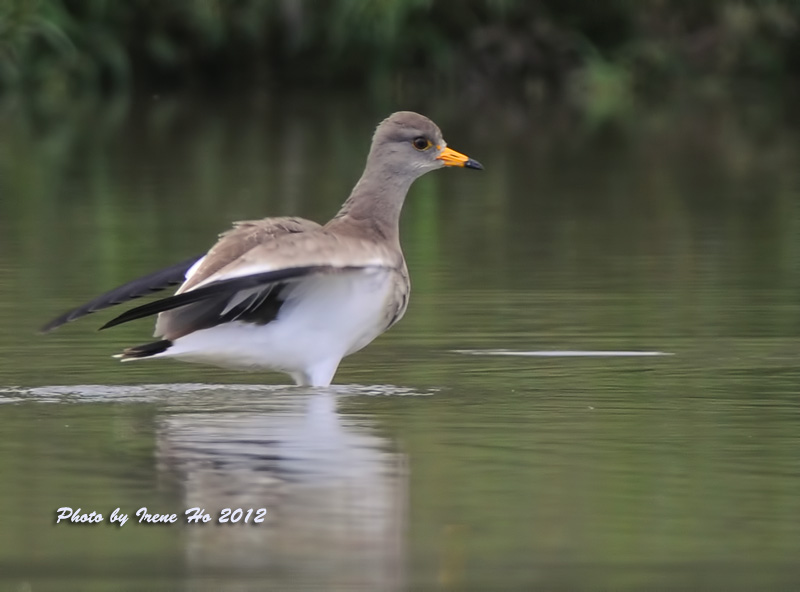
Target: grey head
<point>405,146</point>
<point>409,145</point>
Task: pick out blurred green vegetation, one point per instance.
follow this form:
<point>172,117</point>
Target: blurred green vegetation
<point>609,48</point>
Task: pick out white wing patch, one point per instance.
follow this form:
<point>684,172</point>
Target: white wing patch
<point>242,271</point>
<point>194,268</point>
<point>248,270</point>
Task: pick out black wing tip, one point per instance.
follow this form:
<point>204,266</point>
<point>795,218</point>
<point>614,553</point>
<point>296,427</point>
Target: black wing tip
<point>48,328</point>
<point>66,318</point>
<point>136,288</point>
<point>55,323</point>
<point>118,320</point>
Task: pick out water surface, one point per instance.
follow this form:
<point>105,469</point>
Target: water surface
<point>449,456</point>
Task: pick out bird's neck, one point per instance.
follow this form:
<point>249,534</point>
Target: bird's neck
<point>374,205</point>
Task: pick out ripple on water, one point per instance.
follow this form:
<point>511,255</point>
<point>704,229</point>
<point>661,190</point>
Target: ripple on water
<point>562,353</point>
<point>195,394</point>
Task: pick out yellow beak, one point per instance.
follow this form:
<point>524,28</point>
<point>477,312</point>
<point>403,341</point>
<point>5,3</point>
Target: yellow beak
<point>452,158</point>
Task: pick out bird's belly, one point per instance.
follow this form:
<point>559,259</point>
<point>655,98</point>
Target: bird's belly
<point>322,319</point>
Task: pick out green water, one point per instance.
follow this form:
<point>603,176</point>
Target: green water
<point>434,463</point>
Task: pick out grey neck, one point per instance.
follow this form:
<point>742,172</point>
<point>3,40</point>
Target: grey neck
<point>375,203</point>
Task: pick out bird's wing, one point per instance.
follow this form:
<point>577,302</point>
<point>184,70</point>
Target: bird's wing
<point>243,237</point>
<point>230,299</point>
<point>231,245</point>
<point>253,287</point>
<point>154,282</point>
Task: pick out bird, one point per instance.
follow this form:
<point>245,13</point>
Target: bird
<point>287,294</point>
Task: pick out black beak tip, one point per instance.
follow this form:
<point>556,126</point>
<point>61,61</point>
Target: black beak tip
<point>473,164</point>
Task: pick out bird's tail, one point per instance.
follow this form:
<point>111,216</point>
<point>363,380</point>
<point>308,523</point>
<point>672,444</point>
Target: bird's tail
<point>145,350</point>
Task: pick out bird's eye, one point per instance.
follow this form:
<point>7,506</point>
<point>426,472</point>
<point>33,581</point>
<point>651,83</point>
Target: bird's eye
<point>421,143</point>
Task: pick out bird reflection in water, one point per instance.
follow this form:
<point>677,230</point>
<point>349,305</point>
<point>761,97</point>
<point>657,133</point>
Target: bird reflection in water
<point>334,491</point>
